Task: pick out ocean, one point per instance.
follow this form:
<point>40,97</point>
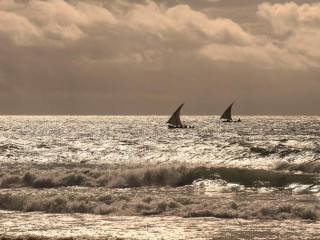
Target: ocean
<point>130,177</point>
<point>256,142</point>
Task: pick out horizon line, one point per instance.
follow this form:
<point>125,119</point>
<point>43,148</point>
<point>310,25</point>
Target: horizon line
<point>205,115</point>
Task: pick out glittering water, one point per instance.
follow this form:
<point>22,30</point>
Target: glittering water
<point>256,141</point>
<point>84,225</point>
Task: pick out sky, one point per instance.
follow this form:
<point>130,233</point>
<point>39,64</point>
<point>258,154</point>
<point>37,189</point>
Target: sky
<point>146,57</point>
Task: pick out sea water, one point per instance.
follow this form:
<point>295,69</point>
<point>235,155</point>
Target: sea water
<point>257,141</point>
<point>84,143</point>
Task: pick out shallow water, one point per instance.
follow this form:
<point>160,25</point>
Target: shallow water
<point>86,225</point>
<point>255,142</point>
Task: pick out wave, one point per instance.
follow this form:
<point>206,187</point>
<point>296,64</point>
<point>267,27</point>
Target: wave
<point>184,202</point>
<point>306,167</point>
<point>280,150</point>
<point>173,175</point>
<point>174,189</point>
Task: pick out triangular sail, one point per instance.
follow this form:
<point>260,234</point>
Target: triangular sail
<point>227,113</point>
<point>175,118</point>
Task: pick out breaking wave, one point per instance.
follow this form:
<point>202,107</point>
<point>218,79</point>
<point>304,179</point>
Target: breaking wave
<point>175,189</point>
<point>173,175</point>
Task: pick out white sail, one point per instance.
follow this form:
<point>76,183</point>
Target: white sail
<point>227,113</point>
<point>175,118</point>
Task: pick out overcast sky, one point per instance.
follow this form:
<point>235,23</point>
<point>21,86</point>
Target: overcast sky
<point>147,57</point>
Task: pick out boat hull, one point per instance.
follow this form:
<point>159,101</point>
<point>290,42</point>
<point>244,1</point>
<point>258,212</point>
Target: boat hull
<point>231,121</point>
<point>180,126</point>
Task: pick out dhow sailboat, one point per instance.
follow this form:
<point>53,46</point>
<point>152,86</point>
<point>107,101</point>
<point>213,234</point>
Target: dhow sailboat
<point>227,115</point>
<point>175,122</point>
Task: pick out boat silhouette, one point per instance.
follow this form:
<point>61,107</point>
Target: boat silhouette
<point>175,122</point>
<point>227,114</point>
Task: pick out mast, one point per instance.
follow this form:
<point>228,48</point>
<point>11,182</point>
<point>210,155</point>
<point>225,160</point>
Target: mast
<point>175,118</point>
<point>227,113</point>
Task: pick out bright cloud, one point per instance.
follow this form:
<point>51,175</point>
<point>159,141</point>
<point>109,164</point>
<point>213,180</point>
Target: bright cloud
<point>300,25</point>
<point>292,44</point>
<point>36,22</point>
<point>18,28</point>
<point>289,17</point>
<point>183,20</point>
